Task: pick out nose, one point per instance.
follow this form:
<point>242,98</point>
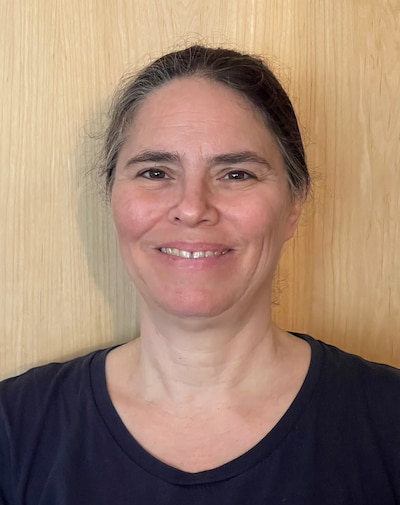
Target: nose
<point>195,204</point>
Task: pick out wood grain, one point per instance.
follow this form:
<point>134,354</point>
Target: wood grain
<point>62,287</point>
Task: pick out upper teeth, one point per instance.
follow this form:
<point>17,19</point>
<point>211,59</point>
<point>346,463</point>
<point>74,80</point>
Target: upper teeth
<point>190,254</point>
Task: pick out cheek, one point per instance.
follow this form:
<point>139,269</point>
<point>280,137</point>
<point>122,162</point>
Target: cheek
<point>121,212</point>
<point>130,214</point>
<point>261,218</point>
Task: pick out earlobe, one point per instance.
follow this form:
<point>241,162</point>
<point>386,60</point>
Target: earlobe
<point>293,217</point>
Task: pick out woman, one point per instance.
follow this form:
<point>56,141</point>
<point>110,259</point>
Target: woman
<point>213,404</point>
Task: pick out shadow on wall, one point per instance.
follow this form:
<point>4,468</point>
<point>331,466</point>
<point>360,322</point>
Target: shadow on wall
<point>99,242</point>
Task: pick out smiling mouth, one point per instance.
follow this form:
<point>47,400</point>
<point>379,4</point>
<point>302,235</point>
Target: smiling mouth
<point>172,251</point>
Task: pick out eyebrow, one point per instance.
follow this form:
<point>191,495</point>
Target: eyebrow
<point>154,157</point>
<point>240,157</point>
<point>220,159</point>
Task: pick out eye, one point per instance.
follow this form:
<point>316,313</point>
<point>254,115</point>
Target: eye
<point>153,173</point>
<point>238,175</point>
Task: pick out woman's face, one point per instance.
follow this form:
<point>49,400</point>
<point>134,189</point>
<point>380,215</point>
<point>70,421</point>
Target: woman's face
<point>201,202</point>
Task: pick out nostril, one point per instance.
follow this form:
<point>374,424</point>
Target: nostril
<point>193,208</point>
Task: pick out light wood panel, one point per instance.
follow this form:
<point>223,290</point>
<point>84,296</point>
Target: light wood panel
<point>62,287</point>
<point>350,291</point>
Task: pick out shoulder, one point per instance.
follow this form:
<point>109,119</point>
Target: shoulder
<point>43,413</point>
<point>352,369</point>
<point>374,385</point>
<point>49,372</point>
<point>45,387</point>
<point>358,395</point>
<point>352,385</point>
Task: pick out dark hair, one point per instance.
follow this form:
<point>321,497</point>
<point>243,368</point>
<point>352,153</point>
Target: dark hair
<point>246,74</point>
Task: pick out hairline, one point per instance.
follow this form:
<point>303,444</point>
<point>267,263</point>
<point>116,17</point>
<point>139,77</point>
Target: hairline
<point>207,76</point>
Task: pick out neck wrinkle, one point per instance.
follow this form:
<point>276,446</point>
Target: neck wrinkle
<point>216,361</point>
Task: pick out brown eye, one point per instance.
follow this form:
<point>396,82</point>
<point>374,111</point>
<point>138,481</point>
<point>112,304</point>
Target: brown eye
<point>153,173</point>
<point>238,175</point>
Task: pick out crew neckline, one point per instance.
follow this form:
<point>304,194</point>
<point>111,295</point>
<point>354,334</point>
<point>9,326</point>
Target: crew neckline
<point>239,465</point>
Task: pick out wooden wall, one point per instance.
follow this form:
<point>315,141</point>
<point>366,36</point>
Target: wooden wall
<point>62,287</point>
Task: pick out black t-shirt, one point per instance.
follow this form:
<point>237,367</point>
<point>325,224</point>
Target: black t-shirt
<point>63,443</point>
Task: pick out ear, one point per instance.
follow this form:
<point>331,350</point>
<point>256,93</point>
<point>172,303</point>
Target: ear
<point>294,212</point>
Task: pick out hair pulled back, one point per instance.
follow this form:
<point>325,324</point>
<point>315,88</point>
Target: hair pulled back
<point>245,74</point>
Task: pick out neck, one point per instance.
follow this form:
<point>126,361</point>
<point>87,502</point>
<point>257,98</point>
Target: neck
<point>186,363</point>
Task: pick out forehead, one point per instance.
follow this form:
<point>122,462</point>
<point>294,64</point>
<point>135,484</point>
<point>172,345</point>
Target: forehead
<point>195,114</point>
<point>196,97</point>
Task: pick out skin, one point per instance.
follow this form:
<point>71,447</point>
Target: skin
<point>200,171</point>
<point>195,203</point>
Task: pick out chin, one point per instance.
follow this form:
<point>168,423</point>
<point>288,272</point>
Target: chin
<point>188,307</point>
